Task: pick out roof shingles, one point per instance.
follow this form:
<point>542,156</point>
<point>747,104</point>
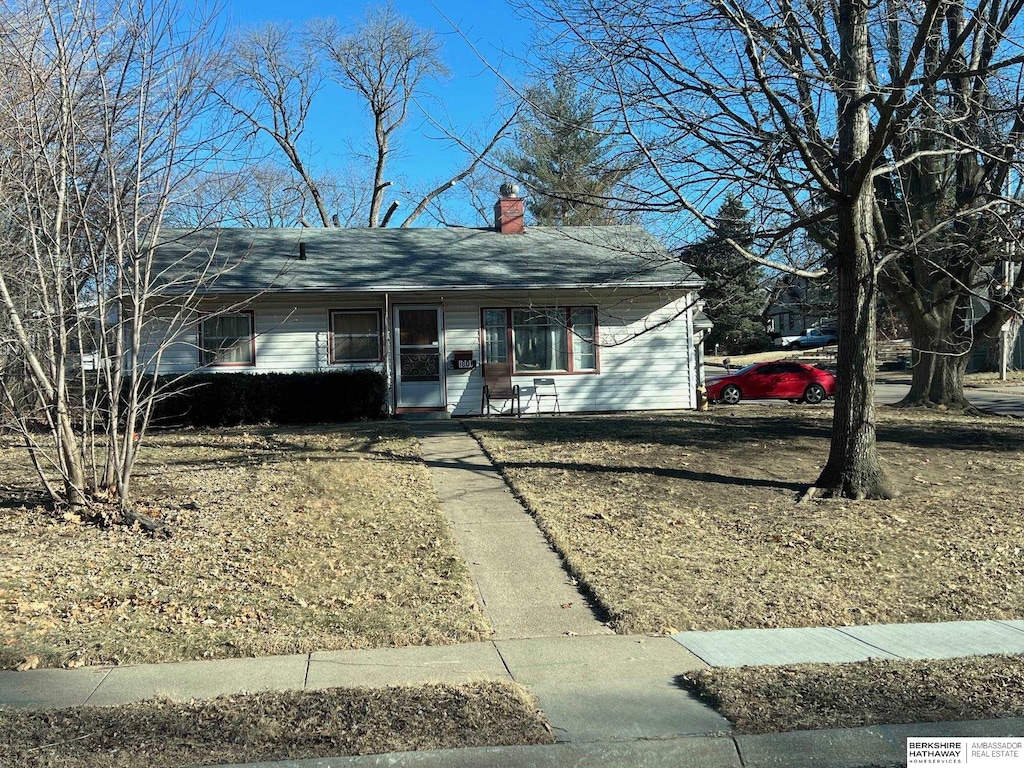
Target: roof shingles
<point>245,260</point>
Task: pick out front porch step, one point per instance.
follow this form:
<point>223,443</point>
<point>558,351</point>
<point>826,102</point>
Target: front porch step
<point>424,416</point>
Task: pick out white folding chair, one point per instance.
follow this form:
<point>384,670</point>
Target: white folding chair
<point>545,387</point>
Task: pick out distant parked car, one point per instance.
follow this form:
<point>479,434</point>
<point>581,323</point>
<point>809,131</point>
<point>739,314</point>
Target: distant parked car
<point>773,381</point>
<point>815,337</point>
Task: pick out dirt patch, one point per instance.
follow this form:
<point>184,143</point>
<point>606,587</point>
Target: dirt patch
<point>273,726</point>
<point>690,521</point>
<point>812,696</point>
<point>285,541</point>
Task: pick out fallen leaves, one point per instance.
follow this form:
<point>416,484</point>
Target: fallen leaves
<point>281,545</point>
<point>771,699</point>
<point>725,545</point>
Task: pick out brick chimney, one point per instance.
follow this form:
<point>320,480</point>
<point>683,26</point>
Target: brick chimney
<point>508,211</point>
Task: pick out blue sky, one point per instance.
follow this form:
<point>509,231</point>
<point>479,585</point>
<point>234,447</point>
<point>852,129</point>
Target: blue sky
<point>469,100</point>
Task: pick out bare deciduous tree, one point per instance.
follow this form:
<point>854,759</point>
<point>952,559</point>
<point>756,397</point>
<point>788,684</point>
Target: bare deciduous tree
<point>266,194</point>
<point>797,106</point>
<point>949,196</point>
<point>272,81</point>
<point>386,61</point>
<point>100,102</point>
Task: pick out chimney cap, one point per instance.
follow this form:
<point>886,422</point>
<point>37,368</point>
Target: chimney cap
<point>508,189</point>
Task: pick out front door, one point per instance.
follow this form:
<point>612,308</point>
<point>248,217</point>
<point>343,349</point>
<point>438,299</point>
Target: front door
<point>419,357</point>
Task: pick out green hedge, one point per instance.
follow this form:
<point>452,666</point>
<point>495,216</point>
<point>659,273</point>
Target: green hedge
<point>229,399</point>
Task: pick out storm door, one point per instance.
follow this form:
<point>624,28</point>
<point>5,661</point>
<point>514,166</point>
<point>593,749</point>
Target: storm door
<point>419,357</point>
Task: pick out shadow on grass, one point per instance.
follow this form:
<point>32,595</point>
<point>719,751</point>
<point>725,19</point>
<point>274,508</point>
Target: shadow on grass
<point>707,431</point>
<point>18,496</point>
<point>673,474</point>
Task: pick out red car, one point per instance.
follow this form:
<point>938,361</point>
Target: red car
<point>775,381</point>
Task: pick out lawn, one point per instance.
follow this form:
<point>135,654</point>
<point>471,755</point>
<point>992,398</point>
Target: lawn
<point>689,521</point>
<point>284,541</point>
<point>811,696</point>
<point>273,726</point>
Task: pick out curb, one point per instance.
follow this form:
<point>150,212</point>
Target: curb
<point>866,747</point>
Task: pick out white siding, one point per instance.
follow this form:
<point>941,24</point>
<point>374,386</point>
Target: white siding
<point>646,353</point>
<point>291,336</point>
<point>645,346</point>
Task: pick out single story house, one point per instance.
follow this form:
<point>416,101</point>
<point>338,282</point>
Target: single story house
<point>606,312</point>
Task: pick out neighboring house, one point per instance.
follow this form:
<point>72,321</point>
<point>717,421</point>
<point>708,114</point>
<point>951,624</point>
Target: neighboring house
<point>797,305</point>
<point>986,357</point>
<point>606,311</point>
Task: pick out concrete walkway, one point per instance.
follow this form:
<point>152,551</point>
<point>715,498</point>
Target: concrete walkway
<point>600,663</point>
<point>595,686</point>
<point>872,747</point>
<point>522,585</point>
<point>941,640</point>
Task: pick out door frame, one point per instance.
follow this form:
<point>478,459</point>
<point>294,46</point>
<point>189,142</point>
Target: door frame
<point>396,362</point>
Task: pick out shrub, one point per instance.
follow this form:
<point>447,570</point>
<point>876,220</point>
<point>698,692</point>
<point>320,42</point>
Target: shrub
<point>230,399</point>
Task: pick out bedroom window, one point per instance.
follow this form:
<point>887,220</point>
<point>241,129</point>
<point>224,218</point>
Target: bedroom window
<point>227,339</point>
<point>548,340</point>
<point>356,336</point>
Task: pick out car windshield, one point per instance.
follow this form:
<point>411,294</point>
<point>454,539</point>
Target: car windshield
<point>747,369</point>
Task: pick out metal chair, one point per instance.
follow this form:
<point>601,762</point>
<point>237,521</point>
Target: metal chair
<point>545,387</point>
<point>498,386</point>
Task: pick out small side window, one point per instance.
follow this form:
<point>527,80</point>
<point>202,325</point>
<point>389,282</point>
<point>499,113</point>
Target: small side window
<point>356,336</point>
<point>495,336</point>
<point>227,339</point>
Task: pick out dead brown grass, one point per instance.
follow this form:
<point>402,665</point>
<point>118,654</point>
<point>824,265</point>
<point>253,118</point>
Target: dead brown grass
<point>285,541</point>
<point>812,696</point>
<point>273,726</point>
<point>990,379</point>
<point>689,521</point>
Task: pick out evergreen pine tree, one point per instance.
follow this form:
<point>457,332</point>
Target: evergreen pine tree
<point>563,158</point>
<point>734,298</point>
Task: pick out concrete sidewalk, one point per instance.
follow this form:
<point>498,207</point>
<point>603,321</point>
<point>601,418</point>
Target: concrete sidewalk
<point>941,640</point>
<point>883,745</point>
<point>611,699</point>
<point>600,662</point>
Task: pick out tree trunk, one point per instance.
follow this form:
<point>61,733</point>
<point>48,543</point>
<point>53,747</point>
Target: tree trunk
<point>379,185</point>
<point>71,458</point>
<point>853,469</point>
<point>939,365</point>
<point>937,381</point>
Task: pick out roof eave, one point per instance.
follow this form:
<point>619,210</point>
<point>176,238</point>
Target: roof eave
<point>686,285</point>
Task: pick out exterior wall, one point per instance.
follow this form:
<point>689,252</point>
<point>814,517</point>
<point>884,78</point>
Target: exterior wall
<point>292,335</point>
<point>644,365</point>
<point>646,355</point>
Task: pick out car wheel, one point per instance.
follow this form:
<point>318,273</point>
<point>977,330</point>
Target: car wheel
<point>731,394</point>
<point>814,394</point>
<point>796,345</point>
